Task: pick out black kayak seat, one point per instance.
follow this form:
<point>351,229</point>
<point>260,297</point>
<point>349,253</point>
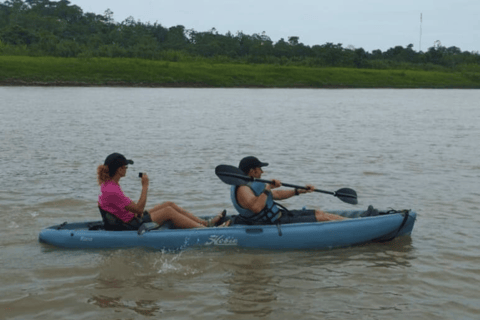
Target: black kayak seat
<point>112,223</point>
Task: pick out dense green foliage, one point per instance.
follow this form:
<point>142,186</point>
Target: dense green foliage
<point>59,29</point>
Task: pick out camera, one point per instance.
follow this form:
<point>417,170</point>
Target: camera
<point>140,174</point>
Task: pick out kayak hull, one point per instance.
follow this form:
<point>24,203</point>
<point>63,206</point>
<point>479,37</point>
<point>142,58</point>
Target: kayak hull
<point>319,235</point>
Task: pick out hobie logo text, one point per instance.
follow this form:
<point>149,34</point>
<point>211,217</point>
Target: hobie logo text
<point>221,241</point>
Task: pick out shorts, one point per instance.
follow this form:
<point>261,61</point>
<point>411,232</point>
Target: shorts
<point>114,223</point>
<point>290,216</point>
<point>297,216</point>
<point>137,222</point>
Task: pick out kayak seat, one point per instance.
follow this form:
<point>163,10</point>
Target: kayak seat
<point>112,223</point>
<point>97,225</point>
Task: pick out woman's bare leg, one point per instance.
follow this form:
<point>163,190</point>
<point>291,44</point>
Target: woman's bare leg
<point>182,211</point>
<point>178,209</point>
<point>165,214</point>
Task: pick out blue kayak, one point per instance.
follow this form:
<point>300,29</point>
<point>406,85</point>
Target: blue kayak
<point>318,235</point>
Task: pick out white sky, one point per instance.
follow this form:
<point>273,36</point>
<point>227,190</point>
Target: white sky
<point>367,24</point>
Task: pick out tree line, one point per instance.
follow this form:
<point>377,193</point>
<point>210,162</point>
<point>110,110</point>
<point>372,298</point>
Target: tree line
<point>57,28</point>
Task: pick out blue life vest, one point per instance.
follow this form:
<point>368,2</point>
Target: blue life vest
<point>270,213</point>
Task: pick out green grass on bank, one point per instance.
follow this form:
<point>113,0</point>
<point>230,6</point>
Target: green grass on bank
<point>23,70</point>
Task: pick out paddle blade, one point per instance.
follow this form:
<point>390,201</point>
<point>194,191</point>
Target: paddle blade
<point>231,175</point>
<point>347,195</point>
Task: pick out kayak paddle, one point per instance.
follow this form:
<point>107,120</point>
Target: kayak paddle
<point>234,176</point>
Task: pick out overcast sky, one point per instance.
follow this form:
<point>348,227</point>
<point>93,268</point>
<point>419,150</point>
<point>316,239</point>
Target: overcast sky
<point>367,24</point>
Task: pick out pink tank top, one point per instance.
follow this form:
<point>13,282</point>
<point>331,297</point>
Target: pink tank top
<point>112,199</point>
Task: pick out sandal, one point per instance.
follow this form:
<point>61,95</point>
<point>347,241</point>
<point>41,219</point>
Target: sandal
<point>211,223</point>
<point>225,224</point>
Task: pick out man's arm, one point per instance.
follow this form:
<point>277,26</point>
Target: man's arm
<point>247,199</point>
<point>285,194</point>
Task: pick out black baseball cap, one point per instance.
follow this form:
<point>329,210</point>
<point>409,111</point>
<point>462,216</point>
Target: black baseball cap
<point>250,162</point>
<point>115,161</point>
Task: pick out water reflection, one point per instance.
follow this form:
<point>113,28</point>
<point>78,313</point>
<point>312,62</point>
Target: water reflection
<point>148,308</point>
<point>396,253</point>
<point>252,286</point>
<point>127,282</point>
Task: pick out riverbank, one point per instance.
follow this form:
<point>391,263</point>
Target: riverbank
<point>51,71</point>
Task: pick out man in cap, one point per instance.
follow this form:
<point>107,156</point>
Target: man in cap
<point>255,204</point>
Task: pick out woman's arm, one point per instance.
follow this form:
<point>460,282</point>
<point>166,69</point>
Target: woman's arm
<point>139,207</point>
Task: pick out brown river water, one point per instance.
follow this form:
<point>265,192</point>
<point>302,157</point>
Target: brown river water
<point>405,149</point>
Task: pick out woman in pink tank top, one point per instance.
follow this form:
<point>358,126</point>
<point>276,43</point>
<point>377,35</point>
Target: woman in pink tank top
<point>131,214</point>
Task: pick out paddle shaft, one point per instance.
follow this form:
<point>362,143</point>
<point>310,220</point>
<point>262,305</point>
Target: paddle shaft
<point>294,186</point>
<point>234,175</point>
